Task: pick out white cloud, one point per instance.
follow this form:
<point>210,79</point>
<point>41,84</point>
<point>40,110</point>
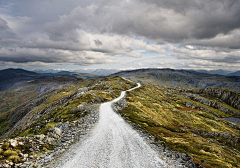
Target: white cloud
<point>189,46</point>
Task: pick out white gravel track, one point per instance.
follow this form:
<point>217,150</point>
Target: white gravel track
<point>114,144</point>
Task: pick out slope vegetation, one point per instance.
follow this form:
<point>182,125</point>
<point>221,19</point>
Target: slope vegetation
<point>59,104</point>
<point>188,122</point>
<point>184,120</point>
<point>54,119</point>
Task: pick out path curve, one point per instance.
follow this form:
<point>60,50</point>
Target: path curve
<point>114,144</point>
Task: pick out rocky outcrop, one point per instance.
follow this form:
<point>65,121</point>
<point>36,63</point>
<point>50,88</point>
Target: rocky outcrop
<point>210,103</point>
<point>17,114</point>
<point>194,106</point>
<point>229,97</point>
<point>223,138</point>
<point>40,149</point>
<point>221,96</point>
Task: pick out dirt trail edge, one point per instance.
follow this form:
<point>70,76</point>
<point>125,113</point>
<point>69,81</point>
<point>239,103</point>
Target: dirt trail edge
<point>112,144</point>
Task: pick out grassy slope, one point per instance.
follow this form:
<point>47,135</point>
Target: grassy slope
<point>99,90</point>
<point>21,92</point>
<point>163,114</point>
<point>155,109</point>
<point>12,98</point>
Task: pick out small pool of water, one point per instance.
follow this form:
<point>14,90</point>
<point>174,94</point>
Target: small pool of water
<point>233,120</point>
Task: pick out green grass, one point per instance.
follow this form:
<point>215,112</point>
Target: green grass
<point>12,98</point>
<point>163,115</point>
<point>99,90</point>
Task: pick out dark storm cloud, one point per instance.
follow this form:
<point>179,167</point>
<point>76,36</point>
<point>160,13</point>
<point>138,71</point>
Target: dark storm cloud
<point>5,31</point>
<point>230,40</point>
<point>157,20</point>
<point>26,55</point>
<point>185,5</point>
<point>170,20</point>
<point>23,55</point>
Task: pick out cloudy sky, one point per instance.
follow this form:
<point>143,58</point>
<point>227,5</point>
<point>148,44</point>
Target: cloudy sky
<point>125,34</point>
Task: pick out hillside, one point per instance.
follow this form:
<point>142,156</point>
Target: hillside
<point>184,123</point>
<point>54,97</point>
<point>9,77</point>
<point>19,86</point>
<point>181,78</point>
<point>58,105</point>
<point>13,78</point>
<point>234,74</point>
<point>187,121</point>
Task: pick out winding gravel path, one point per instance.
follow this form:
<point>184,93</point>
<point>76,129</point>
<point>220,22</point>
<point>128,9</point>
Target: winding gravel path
<point>114,144</point>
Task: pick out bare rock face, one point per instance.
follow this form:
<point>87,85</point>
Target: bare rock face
<point>211,103</point>
<point>229,97</point>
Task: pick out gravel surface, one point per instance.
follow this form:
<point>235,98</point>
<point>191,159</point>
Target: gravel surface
<point>112,144</point>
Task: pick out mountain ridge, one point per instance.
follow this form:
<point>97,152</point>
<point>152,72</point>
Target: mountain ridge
<point>181,78</point>
<point>237,73</point>
<point>217,72</point>
<point>10,77</point>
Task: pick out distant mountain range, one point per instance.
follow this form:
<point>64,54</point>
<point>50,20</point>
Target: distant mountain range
<point>10,77</point>
<point>106,72</point>
<point>181,78</point>
<point>217,72</point>
<point>98,72</point>
<point>47,71</point>
<point>237,73</point>
<point>168,77</point>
